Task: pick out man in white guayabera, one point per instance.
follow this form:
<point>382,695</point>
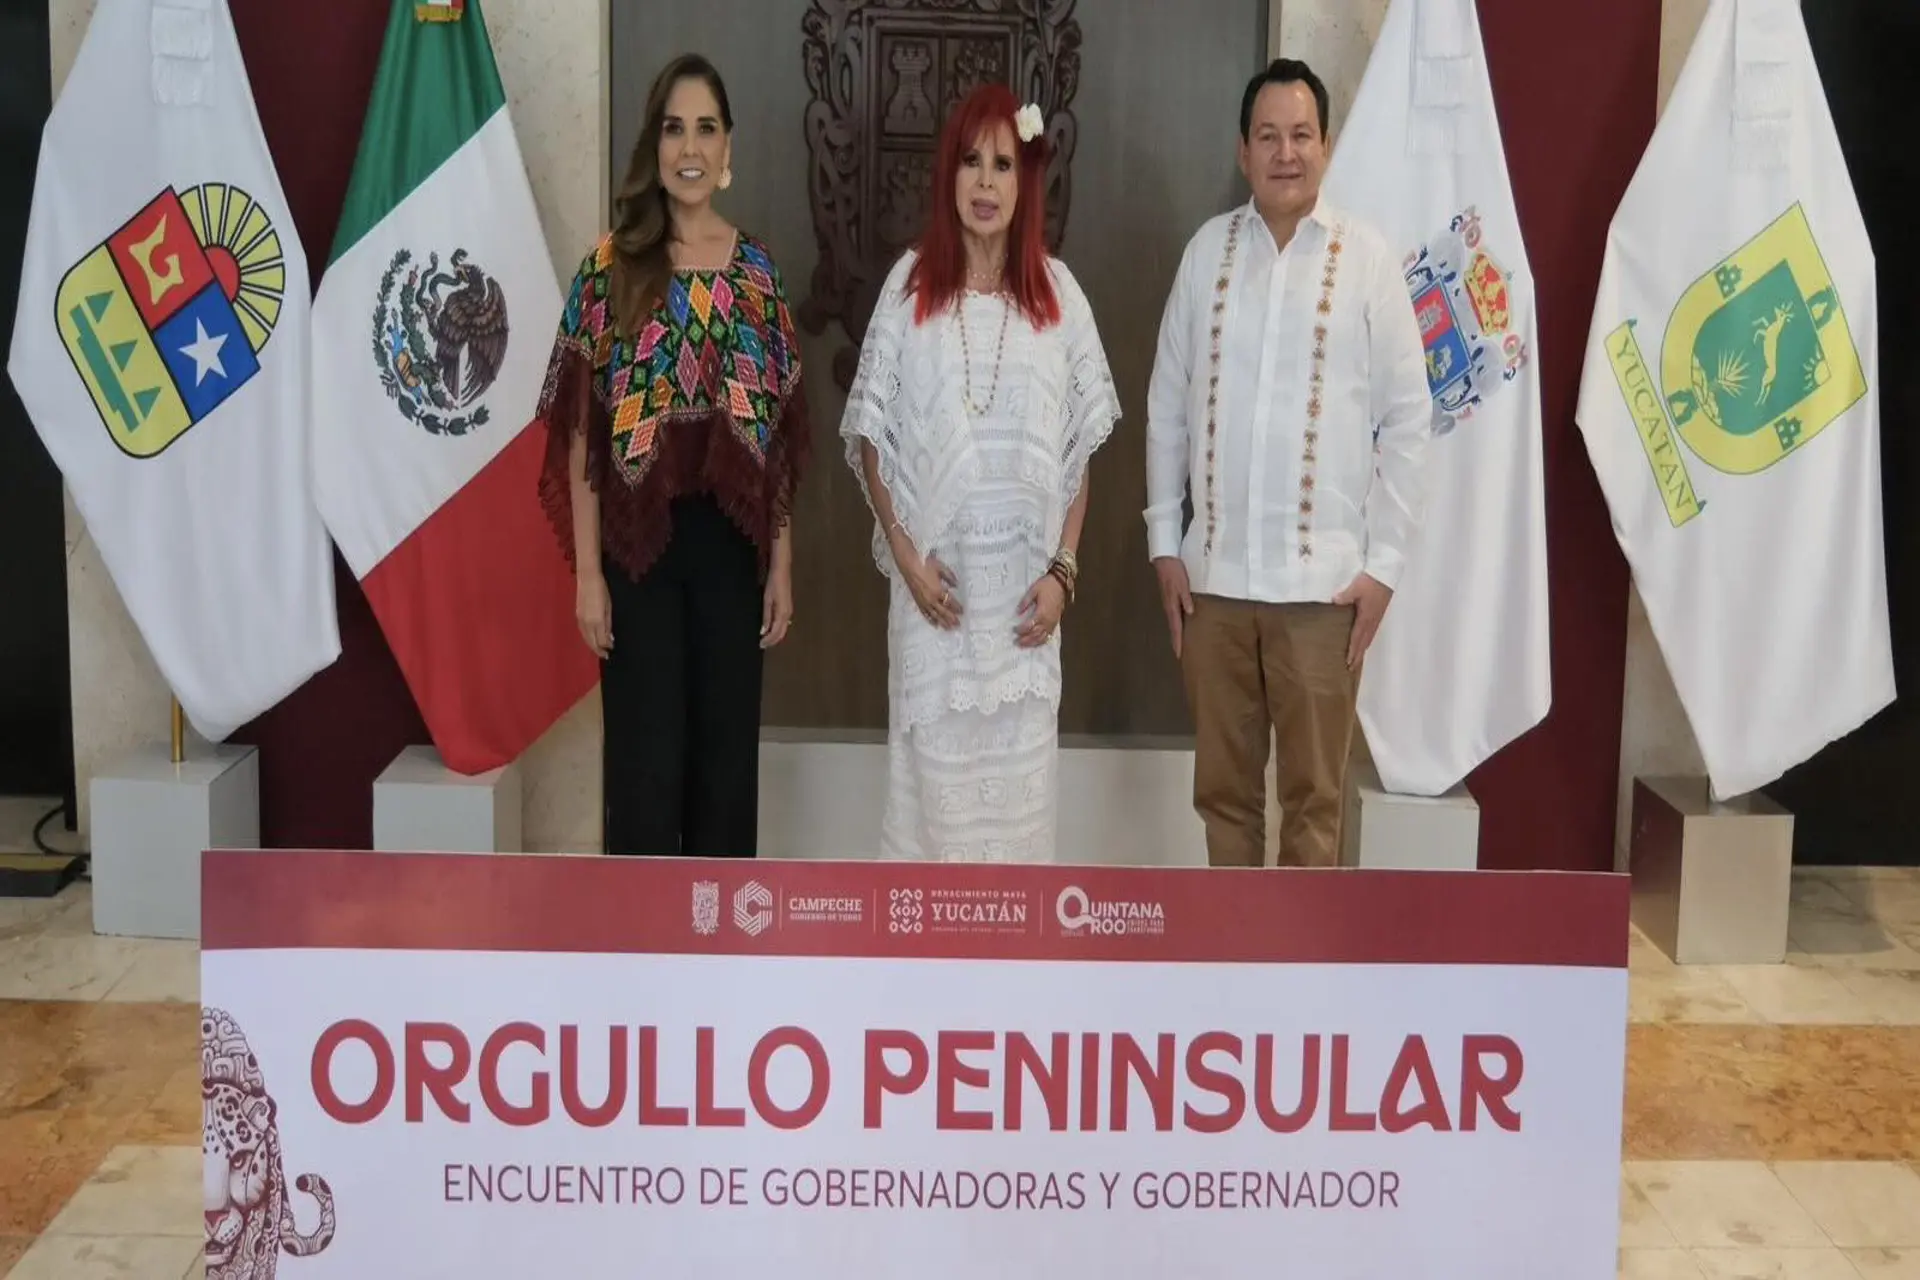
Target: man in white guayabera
<point>1290,389</point>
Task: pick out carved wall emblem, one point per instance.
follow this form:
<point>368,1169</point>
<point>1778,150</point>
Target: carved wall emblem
<point>882,76</point>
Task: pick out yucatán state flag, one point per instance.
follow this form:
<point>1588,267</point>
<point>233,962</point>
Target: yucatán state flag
<point>1728,403</point>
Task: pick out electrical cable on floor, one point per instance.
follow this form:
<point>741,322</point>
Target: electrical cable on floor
<point>39,842</point>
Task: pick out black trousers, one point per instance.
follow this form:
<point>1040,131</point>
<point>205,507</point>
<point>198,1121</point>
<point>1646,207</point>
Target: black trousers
<point>680,695</point>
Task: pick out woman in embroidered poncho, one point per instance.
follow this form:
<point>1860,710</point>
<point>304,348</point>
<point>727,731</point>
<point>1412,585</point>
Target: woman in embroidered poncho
<point>982,392</point>
<point>677,427</point>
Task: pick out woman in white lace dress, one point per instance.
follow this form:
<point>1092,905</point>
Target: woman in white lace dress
<point>982,393</point>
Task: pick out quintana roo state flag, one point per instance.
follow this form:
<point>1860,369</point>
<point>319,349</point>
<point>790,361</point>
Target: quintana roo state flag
<point>160,348</point>
<point>431,335</point>
<point>1460,666</point>
<point>1729,407</point>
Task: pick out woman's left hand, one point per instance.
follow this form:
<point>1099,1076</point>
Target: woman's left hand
<point>1041,608</point>
<point>776,611</point>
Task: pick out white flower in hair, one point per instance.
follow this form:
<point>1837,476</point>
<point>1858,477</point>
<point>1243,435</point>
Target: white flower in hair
<point>1029,122</point>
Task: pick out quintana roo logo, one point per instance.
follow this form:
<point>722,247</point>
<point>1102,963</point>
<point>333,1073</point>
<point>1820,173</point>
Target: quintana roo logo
<point>752,908</point>
<point>439,339</point>
<point>249,1218</point>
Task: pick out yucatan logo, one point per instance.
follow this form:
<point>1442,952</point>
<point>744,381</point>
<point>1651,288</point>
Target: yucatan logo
<point>1463,300</point>
<point>1757,360</point>
<point>439,337</point>
<point>166,317</point>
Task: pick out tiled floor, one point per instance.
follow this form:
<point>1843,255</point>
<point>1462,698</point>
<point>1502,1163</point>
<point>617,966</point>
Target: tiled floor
<point>1772,1114</point>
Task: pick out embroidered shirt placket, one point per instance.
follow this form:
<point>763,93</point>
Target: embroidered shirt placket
<point>1216,317</point>
<point>1271,331</point>
<point>1316,387</point>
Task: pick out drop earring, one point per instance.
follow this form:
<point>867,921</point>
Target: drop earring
<point>726,178</point>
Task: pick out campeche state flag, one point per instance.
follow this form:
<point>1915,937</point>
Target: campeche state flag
<point>1461,664</point>
<point>430,341</point>
<point>160,348</point>
<point>1728,403</point>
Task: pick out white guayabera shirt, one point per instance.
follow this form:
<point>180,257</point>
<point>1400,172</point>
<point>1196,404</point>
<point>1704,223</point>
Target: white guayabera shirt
<point>1290,387</point>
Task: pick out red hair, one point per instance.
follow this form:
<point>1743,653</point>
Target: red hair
<point>939,273</point>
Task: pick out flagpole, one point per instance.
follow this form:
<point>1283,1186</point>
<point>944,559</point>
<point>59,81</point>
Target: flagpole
<point>179,733</point>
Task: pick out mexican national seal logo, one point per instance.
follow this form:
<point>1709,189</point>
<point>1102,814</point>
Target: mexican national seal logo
<point>1463,301</point>
<point>166,317</point>
<point>439,337</point>
<point>1757,360</point>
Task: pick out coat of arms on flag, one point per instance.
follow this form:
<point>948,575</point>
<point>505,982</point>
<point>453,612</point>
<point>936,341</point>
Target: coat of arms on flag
<point>1757,360</point>
<point>440,338</point>
<point>166,317</point>
<point>1460,297</point>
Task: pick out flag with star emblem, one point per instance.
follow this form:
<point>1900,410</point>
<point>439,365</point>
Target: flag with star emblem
<point>432,328</point>
<point>1730,404</point>
<point>1462,664</point>
<point>160,348</point>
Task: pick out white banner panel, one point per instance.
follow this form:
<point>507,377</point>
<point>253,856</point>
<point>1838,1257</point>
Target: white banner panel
<point>492,1066</point>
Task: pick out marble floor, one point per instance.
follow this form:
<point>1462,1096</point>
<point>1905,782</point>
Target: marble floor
<point>1772,1113</point>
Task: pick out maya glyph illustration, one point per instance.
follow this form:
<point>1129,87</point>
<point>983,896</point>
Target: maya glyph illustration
<point>248,1203</point>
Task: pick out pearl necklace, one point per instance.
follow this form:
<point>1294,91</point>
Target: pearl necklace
<point>966,355</point>
<point>988,281</point>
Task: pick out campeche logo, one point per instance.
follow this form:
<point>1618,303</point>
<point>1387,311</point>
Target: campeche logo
<point>752,908</point>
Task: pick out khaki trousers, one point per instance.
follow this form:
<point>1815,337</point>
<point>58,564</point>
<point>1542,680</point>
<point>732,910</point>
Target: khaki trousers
<point>1255,672</point>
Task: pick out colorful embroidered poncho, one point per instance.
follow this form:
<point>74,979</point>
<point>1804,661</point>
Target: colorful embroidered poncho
<point>707,399</point>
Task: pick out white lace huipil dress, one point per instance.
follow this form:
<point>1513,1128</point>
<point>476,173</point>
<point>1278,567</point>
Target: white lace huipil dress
<point>980,476</point>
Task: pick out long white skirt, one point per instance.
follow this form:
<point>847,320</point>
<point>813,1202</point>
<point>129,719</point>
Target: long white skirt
<point>975,787</point>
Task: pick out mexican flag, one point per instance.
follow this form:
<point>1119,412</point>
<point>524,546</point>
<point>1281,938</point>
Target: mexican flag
<point>1730,404</point>
<point>431,332</point>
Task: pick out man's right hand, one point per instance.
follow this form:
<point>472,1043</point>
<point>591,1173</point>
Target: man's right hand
<point>1176,597</point>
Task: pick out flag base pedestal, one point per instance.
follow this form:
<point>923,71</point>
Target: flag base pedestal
<point>421,806</point>
<point>152,819</point>
<point>1711,881</point>
<point>1387,830</point>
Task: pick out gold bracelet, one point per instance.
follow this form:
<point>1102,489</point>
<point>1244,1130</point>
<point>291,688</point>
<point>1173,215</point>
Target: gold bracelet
<point>1065,570</point>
